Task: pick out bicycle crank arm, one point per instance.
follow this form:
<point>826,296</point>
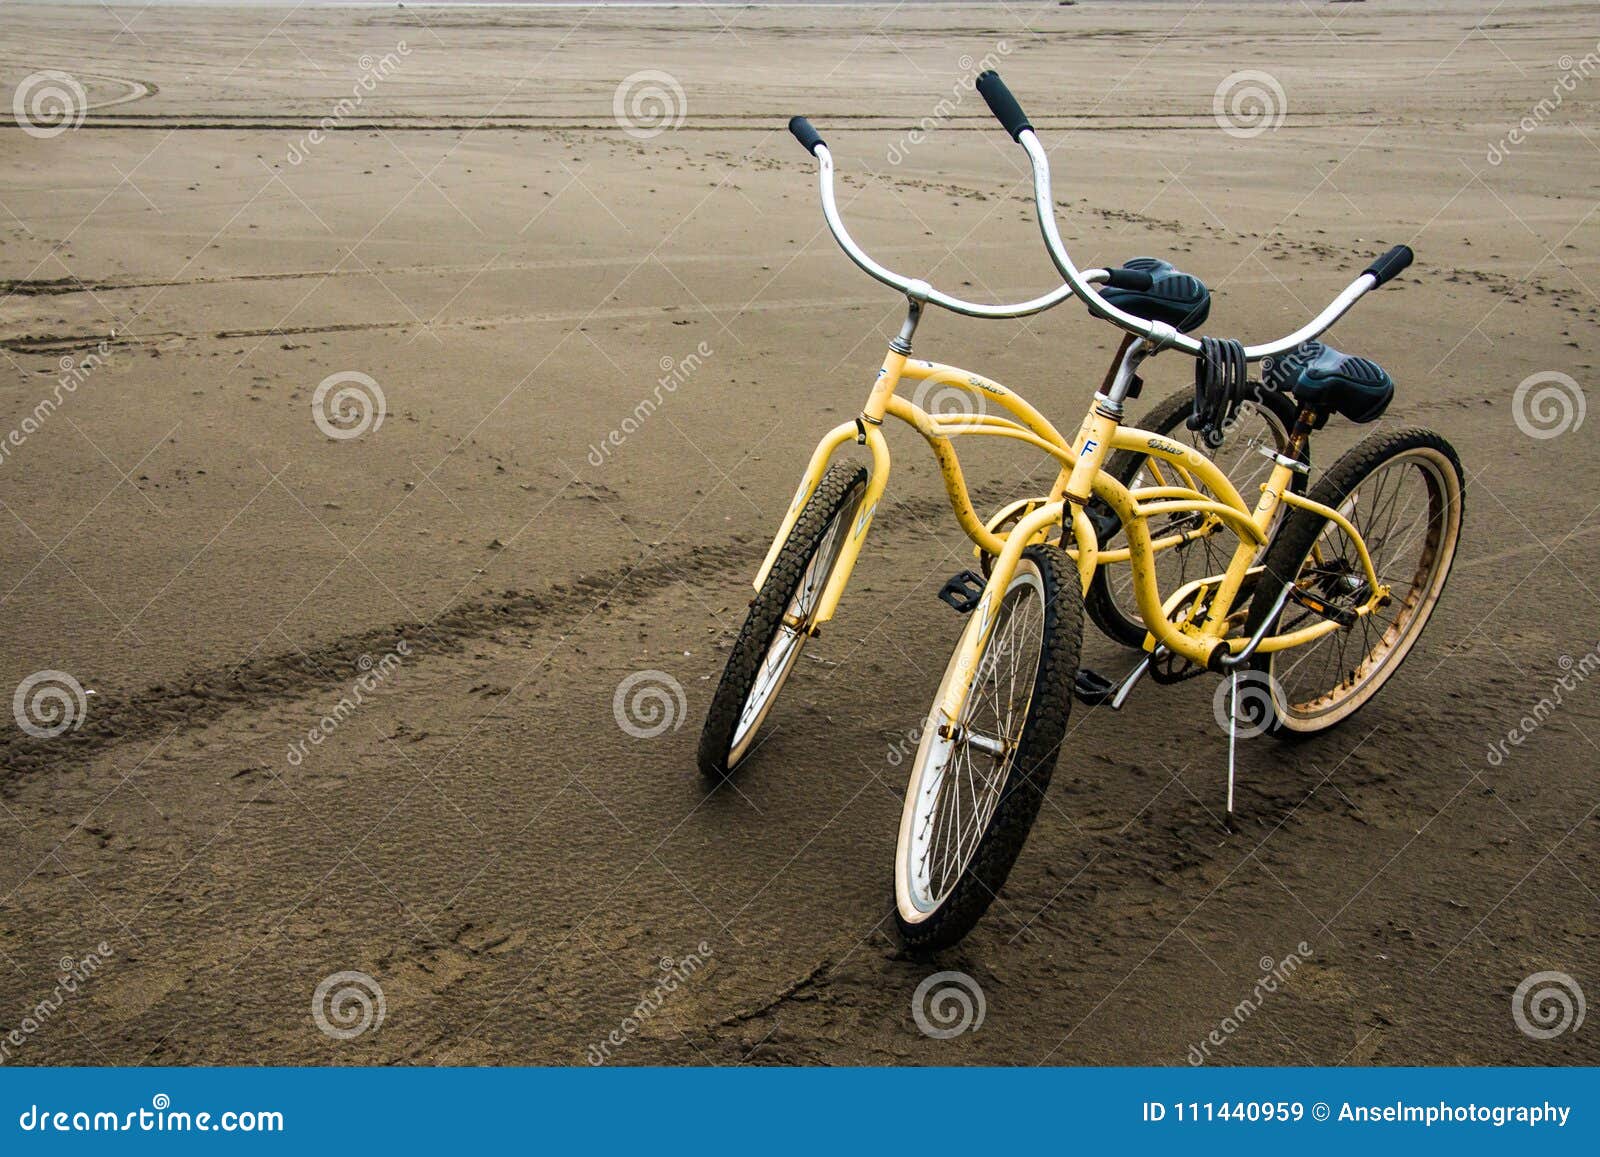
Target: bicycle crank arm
<point>1095,690</point>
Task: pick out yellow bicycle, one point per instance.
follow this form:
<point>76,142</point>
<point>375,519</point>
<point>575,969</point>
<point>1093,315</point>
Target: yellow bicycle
<point>1316,594</point>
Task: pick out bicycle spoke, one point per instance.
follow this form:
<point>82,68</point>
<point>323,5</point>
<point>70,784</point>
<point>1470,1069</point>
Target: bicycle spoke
<point>963,792</point>
<point>1397,511</point>
<point>791,634</point>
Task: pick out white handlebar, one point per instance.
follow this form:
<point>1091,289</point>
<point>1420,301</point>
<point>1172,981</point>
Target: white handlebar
<point>911,286</point>
<point>1159,335</point>
<point>1079,283</point>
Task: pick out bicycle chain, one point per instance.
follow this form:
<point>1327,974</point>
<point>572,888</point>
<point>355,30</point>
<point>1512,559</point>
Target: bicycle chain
<point>1172,668</point>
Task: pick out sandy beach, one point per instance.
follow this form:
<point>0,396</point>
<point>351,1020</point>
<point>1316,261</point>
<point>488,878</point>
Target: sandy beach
<point>496,232</point>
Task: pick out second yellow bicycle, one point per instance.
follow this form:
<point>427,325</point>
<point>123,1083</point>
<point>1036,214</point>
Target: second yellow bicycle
<point>1315,592</point>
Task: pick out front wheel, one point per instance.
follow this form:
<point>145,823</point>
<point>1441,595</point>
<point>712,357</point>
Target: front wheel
<point>1402,491</point>
<point>781,618</point>
<point>978,781</point>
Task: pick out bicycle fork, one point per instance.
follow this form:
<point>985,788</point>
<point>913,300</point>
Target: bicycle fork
<point>1090,449</point>
<point>867,430</point>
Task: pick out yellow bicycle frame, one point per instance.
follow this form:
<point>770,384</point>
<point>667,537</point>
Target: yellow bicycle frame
<point>1202,489</point>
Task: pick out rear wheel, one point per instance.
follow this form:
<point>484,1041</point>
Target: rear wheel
<point>1263,421</point>
<point>977,783</point>
<point>781,618</point>
<point>1402,491</point>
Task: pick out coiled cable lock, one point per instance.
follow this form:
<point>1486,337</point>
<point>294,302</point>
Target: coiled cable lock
<point>1221,383</point>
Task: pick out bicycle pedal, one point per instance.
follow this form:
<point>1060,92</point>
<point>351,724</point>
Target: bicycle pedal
<point>963,591</point>
<point>1092,688</point>
<point>1327,610</point>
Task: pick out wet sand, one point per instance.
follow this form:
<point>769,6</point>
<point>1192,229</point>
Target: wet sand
<point>445,202</point>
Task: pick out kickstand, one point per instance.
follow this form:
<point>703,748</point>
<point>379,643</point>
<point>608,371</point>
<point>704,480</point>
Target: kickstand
<point>1233,733</point>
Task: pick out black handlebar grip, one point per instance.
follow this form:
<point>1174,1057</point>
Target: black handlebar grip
<point>805,134</point>
<point>1391,264</point>
<point>1135,279</point>
<point>1004,106</point>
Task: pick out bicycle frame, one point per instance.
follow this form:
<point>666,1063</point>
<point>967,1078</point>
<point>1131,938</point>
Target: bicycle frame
<point>1006,695</point>
<point>1192,623</point>
<point>1205,490</point>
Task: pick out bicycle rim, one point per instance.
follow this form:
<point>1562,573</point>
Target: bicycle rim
<point>792,632</point>
<point>961,776</point>
<point>1408,513</point>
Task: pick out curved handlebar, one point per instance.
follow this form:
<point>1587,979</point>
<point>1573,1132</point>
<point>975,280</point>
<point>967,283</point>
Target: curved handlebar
<point>1160,335</point>
<point>805,134</point>
<point>1080,283</point>
<point>1135,279</point>
<point>1391,264</point>
<point>1000,101</point>
<point>913,288</point>
<point>1011,117</point>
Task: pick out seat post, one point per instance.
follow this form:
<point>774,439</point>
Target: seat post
<point>1307,420</point>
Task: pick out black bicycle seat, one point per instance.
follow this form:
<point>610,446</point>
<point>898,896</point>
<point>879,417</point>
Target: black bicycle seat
<point>1179,299</point>
<point>1322,378</point>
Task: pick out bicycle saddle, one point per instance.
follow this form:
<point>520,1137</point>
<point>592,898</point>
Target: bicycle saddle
<point>1322,378</point>
<point>1179,299</point>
